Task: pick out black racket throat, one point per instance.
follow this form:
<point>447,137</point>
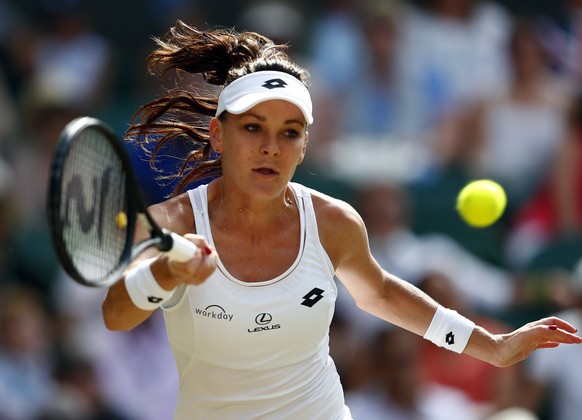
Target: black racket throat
<point>162,240</point>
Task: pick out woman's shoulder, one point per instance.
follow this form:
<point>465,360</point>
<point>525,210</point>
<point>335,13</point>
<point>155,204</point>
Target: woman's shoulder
<point>328,206</point>
<point>340,226</point>
<point>334,216</point>
<point>175,214</point>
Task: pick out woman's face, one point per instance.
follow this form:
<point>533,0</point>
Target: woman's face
<point>262,147</point>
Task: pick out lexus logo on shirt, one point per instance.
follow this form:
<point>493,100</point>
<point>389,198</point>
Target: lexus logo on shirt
<point>263,320</point>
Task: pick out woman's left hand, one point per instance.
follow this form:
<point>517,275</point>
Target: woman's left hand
<point>542,334</point>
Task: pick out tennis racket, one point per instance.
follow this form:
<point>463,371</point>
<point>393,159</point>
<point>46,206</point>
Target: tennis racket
<point>94,203</point>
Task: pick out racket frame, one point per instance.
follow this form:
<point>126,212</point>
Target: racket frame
<point>162,239</point>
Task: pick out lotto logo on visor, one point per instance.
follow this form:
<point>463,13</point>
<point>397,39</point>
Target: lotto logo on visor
<point>252,89</point>
<point>274,83</point>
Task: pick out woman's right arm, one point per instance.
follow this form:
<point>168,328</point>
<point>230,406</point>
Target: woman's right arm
<point>120,313</point>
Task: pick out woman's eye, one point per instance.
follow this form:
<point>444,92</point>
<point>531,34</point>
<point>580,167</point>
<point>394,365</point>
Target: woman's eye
<point>252,128</point>
<point>291,133</point>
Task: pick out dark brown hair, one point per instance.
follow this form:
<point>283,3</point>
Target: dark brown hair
<point>220,56</point>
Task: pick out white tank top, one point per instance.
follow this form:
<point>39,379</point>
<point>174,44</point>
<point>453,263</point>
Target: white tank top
<point>258,350</point>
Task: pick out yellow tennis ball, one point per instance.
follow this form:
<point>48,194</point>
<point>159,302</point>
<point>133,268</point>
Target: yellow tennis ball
<point>480,203</point>
<point>121,220</point>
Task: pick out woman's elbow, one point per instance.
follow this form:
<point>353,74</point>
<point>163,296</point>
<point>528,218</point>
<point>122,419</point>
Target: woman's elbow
<point>114,320</point>
<point>110,320</point>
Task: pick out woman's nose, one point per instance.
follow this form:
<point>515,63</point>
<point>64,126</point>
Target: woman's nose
<point>270,146</point>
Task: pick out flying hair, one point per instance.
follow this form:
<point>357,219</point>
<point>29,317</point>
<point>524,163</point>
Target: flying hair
<point>219,56</point>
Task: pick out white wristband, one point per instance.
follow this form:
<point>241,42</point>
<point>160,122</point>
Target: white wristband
<point>143,289</point>
<point>449,329</point>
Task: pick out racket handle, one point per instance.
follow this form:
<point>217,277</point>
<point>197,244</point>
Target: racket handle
<point>182,249</point>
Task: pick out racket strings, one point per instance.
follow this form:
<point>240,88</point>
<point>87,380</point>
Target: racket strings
<point>94,205</point>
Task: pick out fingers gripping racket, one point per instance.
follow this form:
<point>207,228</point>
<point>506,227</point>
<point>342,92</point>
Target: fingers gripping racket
<point>94,203</point>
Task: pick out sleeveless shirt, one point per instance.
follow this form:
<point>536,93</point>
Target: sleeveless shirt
<point>247,350</point>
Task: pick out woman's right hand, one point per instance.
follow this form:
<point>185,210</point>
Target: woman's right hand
<point>170,273</point>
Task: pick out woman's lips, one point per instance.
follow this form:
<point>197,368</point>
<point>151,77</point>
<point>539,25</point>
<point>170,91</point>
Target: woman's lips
<point>265,171</point>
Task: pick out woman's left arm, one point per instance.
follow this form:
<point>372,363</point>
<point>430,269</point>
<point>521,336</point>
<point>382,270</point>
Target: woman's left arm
<point>380,293</point>
<point>507,349</point>
<point>374,290</point>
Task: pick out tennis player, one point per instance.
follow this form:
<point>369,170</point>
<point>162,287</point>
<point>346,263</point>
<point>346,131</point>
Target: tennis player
<point>248,316</point>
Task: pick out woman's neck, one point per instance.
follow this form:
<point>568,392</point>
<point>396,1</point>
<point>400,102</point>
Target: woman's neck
<point>268,212</point>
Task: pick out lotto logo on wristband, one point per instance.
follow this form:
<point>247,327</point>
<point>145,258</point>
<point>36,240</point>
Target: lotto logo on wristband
<point>449,329</point>
<point>143,289</point>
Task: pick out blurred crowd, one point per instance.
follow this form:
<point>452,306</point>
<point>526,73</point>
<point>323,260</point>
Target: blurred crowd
<point>413,99</point>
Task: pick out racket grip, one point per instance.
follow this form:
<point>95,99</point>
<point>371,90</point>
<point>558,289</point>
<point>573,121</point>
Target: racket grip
<point>182,249</point>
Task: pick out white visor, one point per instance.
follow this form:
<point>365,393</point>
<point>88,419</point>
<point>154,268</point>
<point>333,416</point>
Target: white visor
<point>254,88</point>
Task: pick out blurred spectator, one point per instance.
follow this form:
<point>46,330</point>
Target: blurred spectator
<point>397,390</point>
<point>557,375</point>
<point>79,395</point>
<point>366,110</point>
<point>69,67</point>
<point>26,354</point>
<point>369,108</point>
<point>530,116</point>
<point>8,123</point>
<point>563,41</point>
<point>72,63</point>
<point>513,413</point>
<point>451,51</point>
<point>278,20</point>
<point>335,46</point>
<point>349,352</point>
<point>554,213</point>
<point>8,127</point>
<point>18,38</point>
<point>137,373</point>
<point>6,217</point>
<point>9,19</point>
<point>28,229</point>
<point>44,118</point>
<point>134,371</point>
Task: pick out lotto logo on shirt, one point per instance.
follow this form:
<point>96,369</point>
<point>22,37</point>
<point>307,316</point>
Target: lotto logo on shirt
<point>214,312</point>
<point>311,298</point>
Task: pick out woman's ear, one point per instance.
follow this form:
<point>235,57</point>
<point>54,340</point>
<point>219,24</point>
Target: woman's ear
<point>304,150</point>
<point>215,131</point>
